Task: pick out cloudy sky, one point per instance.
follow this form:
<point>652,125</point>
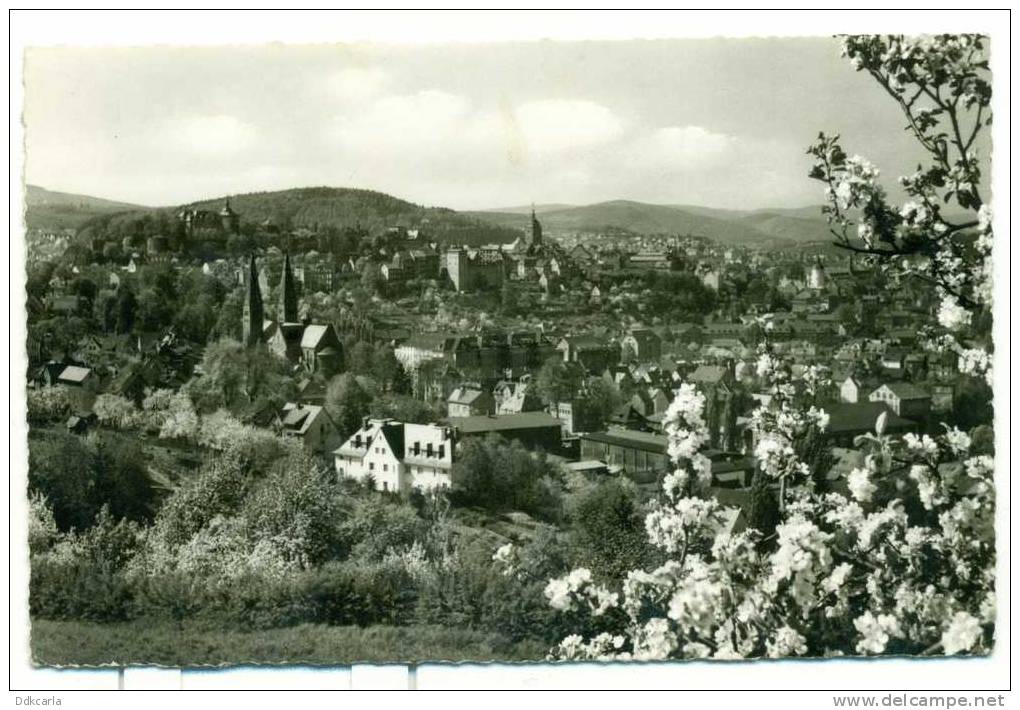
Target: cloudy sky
<point>721,123</point>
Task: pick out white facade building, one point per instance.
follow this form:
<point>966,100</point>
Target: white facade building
<point>428,456</point>
<point>397,456</point>
<point>372,451</point>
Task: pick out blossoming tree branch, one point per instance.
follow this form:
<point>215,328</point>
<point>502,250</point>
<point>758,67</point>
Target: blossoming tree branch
<point>943,87</point>
<point>905,562</point>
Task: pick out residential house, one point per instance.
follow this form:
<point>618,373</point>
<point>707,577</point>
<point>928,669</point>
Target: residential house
<point>428,456</point>
<point>516,397</point>
<point>566,414</point>
<point>470,400</point>
<point>80,422</point>
<point>435,380</point>
<point>855,388</point>
<point>76,376</point>
<point>627,416</point>
<point>310,423</point>
<point>642,403</point>
<point>398,457</point>
<point>894,359</point>
<point>312,391</point>
<point>81,383</point>
<point>582,255</point>
<point>660,399</point>
<point>620,376</point>
<point>129,383</point>
<point>594,353</point>
<point>373,452</point>
<point>915,365</point>
<point>642,345</point>
<point>906,399</point>
<point>943,366</point>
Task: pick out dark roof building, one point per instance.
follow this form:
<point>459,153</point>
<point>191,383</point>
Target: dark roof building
<point>847,420</point>
<point>536,430</point>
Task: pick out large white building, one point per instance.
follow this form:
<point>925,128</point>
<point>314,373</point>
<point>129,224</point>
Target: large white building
<point>397,456</point>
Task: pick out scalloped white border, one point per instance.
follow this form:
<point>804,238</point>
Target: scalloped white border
<point>115,28</point>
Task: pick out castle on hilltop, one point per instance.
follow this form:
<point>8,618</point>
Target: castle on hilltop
<point>224,220</point>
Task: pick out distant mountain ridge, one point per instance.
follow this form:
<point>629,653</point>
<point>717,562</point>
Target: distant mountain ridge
<point>49,209</point>
<point>333,207</point>
<point>526,209</point>
<point>36,196</point>
<point>314,208</point>
<point>778,227</point>
<point>348,208</point>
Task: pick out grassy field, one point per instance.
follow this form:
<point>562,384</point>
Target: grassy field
<point>142,642</point>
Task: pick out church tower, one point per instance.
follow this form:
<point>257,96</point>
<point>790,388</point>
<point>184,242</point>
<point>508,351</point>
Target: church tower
<point>288,294</point>
<point>816,278</point>
<point>251,321</point>
<point>229,220</point>
<point>535,236</point>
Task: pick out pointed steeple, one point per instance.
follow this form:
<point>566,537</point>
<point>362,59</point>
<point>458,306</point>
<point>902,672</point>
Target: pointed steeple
<point>288,293</point>
<point>535,236</point>
<point>251,322</point>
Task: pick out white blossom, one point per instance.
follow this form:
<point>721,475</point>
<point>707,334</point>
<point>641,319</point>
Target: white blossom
<point>961,634</point>
<point>788,642</point>
<point>861,487</point>
<point>953,316</point>
<point>875,631</point>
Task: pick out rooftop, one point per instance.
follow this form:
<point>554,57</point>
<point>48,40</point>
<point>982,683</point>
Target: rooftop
<point>73,373</point>
<point>655,443</point>
<point>906,390</point>
<point>860,417</point>
<point>708,374</point>
<point>297,418</point>
<point>314,335</point>
<point>505,422</point>
<point>465,395</point>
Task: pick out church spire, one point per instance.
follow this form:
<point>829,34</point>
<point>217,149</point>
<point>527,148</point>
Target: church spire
<point>288,293</point>
<point>535,235</point>
<point>251,322</point>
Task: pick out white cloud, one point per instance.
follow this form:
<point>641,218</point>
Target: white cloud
<point>211,135</point>
<point>356,83</point>
<point>445,134</point>
<point>418,127</point>
<point>553,127</point>
<point>686,148</point>
<point>429,143</point>
<point>463,126</point>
